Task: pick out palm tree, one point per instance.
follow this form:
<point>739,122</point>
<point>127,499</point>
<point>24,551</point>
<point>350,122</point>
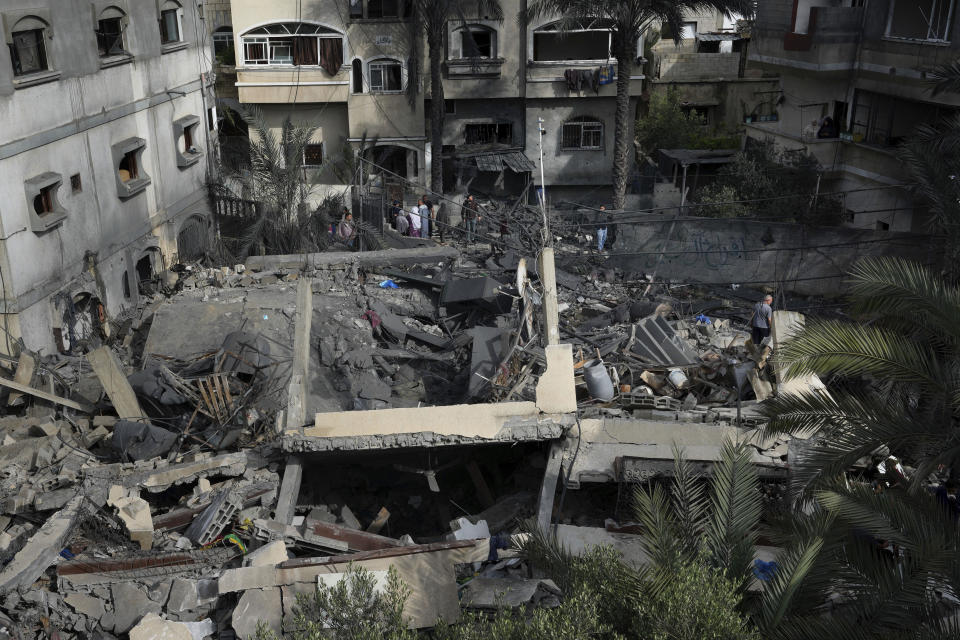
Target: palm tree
<point>629,19</point>
<point>433,16</point>
<point>278,184</point>
<point>906,344</point>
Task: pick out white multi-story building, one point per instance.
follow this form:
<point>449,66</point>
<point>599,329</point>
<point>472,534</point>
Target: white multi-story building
<point>103,159</point>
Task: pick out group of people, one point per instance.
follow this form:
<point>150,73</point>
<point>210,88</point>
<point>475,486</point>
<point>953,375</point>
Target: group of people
<point>427,220</point>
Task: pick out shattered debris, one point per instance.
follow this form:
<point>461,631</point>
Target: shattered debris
<point>192,476</point>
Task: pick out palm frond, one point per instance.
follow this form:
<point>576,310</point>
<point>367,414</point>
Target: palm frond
<point>945,77</point>
<point>894,287</point>
<point>735,508</point>
<point>688,501</point>
<point>846,348</point>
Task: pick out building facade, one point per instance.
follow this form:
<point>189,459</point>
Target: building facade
<point>708,68</point>
<point>358,71</point>
<point>865,69</point>
<point>103,158</point>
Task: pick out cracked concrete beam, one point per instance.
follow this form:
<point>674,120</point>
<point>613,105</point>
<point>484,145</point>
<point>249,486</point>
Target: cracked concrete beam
<point>42,549</point>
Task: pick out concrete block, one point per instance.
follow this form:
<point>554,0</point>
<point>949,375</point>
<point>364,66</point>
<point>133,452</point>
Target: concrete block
<point>269,555</point>
<point>183,595</point>
<point>130,604</point>
<point>85,605</point>
<point>153,627</point>
<point>258,606</point>
<point>350,521</point>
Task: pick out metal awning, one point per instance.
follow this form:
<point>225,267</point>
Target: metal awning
<point>717,37</point>
<point>513,160</point>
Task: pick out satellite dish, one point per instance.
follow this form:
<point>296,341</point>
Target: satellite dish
<point>521,275</point>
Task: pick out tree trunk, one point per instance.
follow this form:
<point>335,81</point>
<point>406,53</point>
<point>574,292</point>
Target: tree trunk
<point>437,111</point>
<point>625,127</point>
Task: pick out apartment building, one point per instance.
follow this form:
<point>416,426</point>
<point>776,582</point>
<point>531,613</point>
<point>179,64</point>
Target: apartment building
<point>358,71</point>
<point>102,160</point>
<point>708,67</point>
<point>863,64</point>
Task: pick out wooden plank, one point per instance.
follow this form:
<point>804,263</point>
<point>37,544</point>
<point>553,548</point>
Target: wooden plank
<point>107,367</point>
<point>380,521</point>
<point>25,368</point>
<point>43,395</point>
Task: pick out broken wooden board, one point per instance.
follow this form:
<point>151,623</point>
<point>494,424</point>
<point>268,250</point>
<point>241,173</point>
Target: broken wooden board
<point>26,365</point>
<point>107,367</point>
<point>380,521</point>
<point>43,395</point>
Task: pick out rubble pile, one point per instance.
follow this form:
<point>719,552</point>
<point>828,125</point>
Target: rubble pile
<point>148,480</point>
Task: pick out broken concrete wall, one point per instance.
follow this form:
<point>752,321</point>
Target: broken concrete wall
<point>724,250</point>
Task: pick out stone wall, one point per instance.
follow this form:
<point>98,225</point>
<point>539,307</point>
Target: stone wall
<point>757,253</point>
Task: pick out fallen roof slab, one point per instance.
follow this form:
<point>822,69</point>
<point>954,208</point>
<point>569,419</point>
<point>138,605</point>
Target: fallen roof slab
<point>368,259</point>
<point>616,450</point>
<point>424,427</point>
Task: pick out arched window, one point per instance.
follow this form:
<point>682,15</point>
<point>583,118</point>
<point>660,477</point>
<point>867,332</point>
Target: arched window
<point>294,43</point>
<point>110,26</point>
<point>171,22</point>
<point>583,40</point>
<point>356,69</point>
<point>223,46</point>
<point>582,133</point>
<point>386,75</point>
<point>28,51</point>
<point>473,41</point>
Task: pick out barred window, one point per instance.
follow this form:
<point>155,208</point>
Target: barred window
<point>582,133</point>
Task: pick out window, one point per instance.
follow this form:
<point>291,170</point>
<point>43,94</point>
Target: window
<point>169,26</point>
<point>312,155</point>
<point>887,121</point>
<point>223,46</point>
<point>688,31</point>
<point>473,41</point>
<point>44,207</point>
<point>185,134</point>
<point>450,107</point>
<point>356,69</point>
<point>386,75</point>
<point>488,133</point>
<point>926,20</point>
<point>76,184</point>
<point>582,133</point>
<point>587,40</point>
<point>131,174</point>
<point>28,52</point>
<point>294,43</point>
<point>383,8</point>
<point>110,33</point>
<point>128,167</point>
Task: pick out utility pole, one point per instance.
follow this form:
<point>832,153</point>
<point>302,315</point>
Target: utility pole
<point>548,274</point>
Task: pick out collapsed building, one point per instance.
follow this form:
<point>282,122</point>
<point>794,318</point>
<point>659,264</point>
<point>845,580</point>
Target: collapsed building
<point>251,432</point>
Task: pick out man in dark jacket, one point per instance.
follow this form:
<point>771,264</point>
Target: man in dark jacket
<point>471,214</point>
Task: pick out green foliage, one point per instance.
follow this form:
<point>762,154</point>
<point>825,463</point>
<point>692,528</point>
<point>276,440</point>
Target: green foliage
<point>278,184</point>
<point>667,126</point>
<point>765,181</point>
<point>351,610</point>
<point>577,618</point>
<point>697,603</point>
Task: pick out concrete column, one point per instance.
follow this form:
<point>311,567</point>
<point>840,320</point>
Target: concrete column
<point>289,490</point>
<point>551,308</point>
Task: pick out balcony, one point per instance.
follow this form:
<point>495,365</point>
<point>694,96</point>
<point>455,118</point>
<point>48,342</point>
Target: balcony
<point>822,25</point>
<point>285,85</point>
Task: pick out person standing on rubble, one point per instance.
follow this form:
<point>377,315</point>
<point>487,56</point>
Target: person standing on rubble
<point>416,222</point>
<point>430,215</point>
<point>602,229</point>
<point>761,320</point>
<point>470,214</point>
<point>425,218</point>
<point>403,222</point>
<point>443,220</point>
<point>345,230</point>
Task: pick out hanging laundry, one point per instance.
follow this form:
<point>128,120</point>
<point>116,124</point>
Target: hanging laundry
<point>607,76</point>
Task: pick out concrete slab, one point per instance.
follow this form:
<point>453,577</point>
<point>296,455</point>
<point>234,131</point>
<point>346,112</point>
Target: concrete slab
<point>255,607</point>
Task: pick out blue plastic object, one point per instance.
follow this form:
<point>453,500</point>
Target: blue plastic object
<point>764,571</point>
<point>703,319</point>
<point>389,284</point>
